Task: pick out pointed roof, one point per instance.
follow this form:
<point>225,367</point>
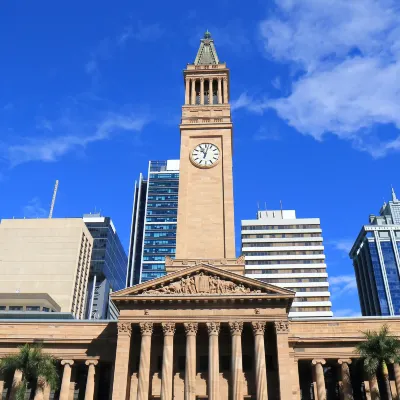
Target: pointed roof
<point>202,281</point>
<point>207,55</point>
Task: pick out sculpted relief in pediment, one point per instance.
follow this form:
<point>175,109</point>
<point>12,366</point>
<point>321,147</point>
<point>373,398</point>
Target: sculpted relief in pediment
<point>201,284</point>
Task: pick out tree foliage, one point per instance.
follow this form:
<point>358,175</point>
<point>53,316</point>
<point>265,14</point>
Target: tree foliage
<point>33,364</point>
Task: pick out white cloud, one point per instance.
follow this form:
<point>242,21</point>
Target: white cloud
<point>49,149</point>
<point>347,60</point>
<point>343,245</point>
<point>34,209</point>
<point>342,285</point>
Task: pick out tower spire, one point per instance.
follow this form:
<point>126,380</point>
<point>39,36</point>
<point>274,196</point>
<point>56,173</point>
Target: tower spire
<point>207,55</point>
<point>394,198</point>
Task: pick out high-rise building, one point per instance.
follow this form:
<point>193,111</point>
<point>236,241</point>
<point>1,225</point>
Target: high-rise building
<point>108,268</point>
<point>46,256</point>
<point>376,261</point>
<point>288,252</point>
<point>154,216</point>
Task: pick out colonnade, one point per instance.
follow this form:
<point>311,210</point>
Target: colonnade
<point>191,330</point>
<point>191,94</point>
<point>43,390</point>
<point>346,384</point>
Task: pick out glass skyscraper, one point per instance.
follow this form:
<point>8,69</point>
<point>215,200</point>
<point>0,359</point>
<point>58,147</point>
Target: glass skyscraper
<point>376,261</point>
<point>108,267</point>
<point>154,217</point>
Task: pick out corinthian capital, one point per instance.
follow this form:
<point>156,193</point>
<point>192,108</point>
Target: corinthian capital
<point>146,328</point>
<point>258,327</point>
<point>281,326</point>
<point>168,328</point>
<point>124,328</point>
<point>236,328</point>
<point>191,328</point>
<point>213,328</point>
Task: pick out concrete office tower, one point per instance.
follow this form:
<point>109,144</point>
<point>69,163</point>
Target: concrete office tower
<point>288,252</point>
<point>47,256</point>
<point>154,216</point>
<point>376,261</point>
<point>107,268</point>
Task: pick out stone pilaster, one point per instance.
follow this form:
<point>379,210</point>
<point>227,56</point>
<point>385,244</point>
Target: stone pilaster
<point>40,389</point>
<point>346,379</point>
<point>66,379</point>
<point>1,383</point>
<point>284,367</point>
<point>210,91</point>
<point>219,90</point>
<point>213,360</point>
<point>259,357</point>
<point>90,381</point>
<point>121,367</point>
<point>168,361</point>
<point>146,329</point>
<point>187,88</point>
<point>320,378</point>
<point>236,329</point>
<point>225,80</point>
<point>190,366</point>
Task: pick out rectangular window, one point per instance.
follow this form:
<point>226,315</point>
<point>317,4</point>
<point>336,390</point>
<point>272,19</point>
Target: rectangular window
<point>32,308</point>
<point>15,308</point>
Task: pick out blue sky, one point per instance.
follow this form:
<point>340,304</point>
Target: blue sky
<point>90,91</point>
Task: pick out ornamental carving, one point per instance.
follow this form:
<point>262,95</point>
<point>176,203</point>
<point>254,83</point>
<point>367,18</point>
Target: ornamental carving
<point>282,326</point>
<point>201,284</point>
<point>191,328</point>
<point>236,328</point>
<point>168,328</point>
<point>146,328</point>
<point>124,327</point>
<point>258,327</point>
<point>213,328</point>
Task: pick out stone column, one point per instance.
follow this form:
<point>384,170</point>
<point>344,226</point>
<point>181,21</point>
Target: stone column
<point>374,388</point>
<point>396,368</point>
<point>236,329</point>
<point>146,328</point>
<point>66,379</point>
<point>190,366</point>
<point>187,88</point>
<point>201,91</point>
<point>219,90</point>
<point>225,90</point>
<point>41,387</point>
<point>284,360</point>
<point>210,91</point>
<point>121,365</point>
<point>213,360</point>
<point>1,384</point>
<point>346,379</point>
<point>259,357</point>
<point>320,378</point>
<point>16,381</point>
<point>168,361</point>
<point>89,393</point>
<point>193,96</point>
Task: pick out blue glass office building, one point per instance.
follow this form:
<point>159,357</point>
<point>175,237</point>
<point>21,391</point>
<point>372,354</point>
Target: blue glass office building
<point>376,261</point>
<point>154,217</point>
<point>108,267</point>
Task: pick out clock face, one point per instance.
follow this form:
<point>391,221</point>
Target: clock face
<point>205,155</point>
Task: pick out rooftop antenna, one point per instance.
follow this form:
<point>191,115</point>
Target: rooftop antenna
<point>281,209</point>
<point>53,200</point>
<point>394,198</point>
<point>265,205</point>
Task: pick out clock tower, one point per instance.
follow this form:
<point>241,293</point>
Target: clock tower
<point>205,228</point>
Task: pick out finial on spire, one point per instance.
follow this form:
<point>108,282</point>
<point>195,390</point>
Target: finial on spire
<point>394,198</point>
<point>207,35</point>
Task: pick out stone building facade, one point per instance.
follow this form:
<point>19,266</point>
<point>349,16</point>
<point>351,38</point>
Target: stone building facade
<point>203,331</point>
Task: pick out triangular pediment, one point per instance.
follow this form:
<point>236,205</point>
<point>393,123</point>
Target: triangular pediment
<point>203,280</point>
